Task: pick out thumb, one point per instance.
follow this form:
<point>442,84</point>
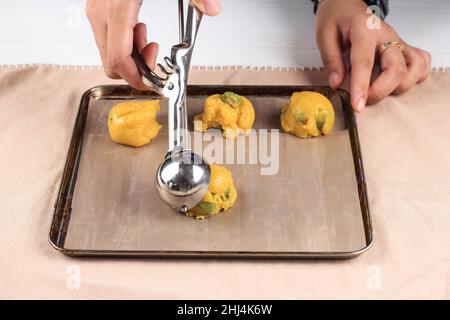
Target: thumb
<point>332,57</point>
<point>208,7</point>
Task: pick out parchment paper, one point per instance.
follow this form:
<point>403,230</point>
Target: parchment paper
<point>310,204</point>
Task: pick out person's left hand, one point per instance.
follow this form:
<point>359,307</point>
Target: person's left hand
<point>342,25</point>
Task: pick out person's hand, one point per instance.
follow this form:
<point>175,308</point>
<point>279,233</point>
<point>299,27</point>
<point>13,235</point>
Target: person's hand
<point>342,25</point>
<point>115,25</point>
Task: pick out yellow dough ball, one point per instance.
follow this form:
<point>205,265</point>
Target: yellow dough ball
<point>134,123</point>
<point>221,194</point>
<point>232,113</point>
<point>308,114</point>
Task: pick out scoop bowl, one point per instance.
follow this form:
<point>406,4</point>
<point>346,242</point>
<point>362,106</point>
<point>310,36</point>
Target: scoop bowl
<point>182,179</point>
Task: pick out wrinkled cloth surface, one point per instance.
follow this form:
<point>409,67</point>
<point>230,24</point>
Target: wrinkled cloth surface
<point>406,148</point>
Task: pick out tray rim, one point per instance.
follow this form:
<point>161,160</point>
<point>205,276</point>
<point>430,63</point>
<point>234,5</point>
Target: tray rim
<point>62,208</point>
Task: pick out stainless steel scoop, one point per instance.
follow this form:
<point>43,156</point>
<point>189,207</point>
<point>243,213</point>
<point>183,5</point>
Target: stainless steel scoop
<point>183,177</point>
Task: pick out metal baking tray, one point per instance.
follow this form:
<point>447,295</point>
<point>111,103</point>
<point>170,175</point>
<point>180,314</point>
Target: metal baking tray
<point>316,205</point>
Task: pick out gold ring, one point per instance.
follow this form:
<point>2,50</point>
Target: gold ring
<point>391,44</point>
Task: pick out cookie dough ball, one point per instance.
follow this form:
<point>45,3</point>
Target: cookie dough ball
<point>232,113</point>
<point>134,123</point>
<point>308,114</point>
<point>221,194</point>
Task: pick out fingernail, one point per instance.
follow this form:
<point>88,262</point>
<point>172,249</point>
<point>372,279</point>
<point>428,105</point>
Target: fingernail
<point>333,79</point>
<point>211,6</point>
<point>361,104</point>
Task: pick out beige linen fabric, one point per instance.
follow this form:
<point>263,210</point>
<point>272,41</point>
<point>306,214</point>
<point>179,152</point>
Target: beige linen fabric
<point>406,146</point>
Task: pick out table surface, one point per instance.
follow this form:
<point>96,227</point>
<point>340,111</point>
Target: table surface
<point>277,32</point>
<point>403,140</point>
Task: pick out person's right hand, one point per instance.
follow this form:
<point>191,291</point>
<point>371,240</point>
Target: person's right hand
<point>115,26</point>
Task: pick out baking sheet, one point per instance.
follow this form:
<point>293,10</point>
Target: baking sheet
<point>310,207</point>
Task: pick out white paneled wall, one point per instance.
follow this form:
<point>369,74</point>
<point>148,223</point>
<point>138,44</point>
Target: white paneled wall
<point>248,32</point>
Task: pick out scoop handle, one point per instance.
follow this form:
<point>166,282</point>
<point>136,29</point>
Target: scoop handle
<point>181,58</point>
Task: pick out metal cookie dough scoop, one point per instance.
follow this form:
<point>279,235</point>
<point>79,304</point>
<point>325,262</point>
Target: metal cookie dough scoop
<point>183,177</point>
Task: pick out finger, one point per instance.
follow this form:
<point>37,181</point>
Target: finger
<point>362,56</point>
<point>417,69</point>
<point>120,43</point>
<point>394,71</point>
<point>140,36</point>
<point>331,52</point>
<point>149,51</point>
<point>428,60</point>
<point>208,7</point>
<point>97,19</point>
<point>426,56</point>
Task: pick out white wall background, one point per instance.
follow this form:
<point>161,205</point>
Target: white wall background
<point>248,32</point>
